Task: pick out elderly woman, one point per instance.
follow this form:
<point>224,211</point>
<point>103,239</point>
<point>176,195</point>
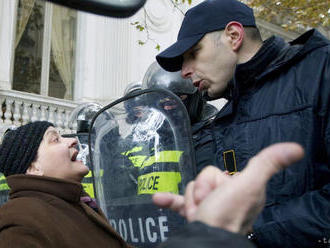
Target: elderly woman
<point>47,206</point>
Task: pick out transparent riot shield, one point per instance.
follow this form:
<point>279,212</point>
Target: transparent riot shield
<point>80,119</point>
<point>83,155</point>
<point>143,148</point>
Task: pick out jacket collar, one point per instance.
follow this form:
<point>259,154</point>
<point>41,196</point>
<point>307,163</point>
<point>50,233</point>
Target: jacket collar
<point>310,40</point>
<point>21,185</point>
<point>296,50</point>
<point>270,49</point>
<point>246,73</point>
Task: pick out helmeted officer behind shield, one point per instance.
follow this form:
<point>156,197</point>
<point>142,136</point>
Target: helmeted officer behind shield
<point>117,174</point>
<point>200,112</point>
<point>150,152</point>
<point>150,146</point>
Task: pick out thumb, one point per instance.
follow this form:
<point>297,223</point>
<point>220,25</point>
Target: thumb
<point>271,160</point>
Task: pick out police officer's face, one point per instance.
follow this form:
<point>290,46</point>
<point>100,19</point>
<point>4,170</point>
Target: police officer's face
<point>210,64</point>
<point>56,157</point>
<point>138,111</point>
<point>170,104</point>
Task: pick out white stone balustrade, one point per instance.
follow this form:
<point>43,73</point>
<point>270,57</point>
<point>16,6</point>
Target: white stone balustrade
<point>18,108</point>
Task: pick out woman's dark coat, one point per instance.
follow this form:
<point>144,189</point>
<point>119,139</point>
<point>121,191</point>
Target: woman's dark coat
<point>47,212</point>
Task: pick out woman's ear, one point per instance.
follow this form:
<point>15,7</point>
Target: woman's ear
<point>34,169</point>
<point>235,33</point>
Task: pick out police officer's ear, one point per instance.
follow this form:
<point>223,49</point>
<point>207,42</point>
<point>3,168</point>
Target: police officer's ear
<point>234,32</point>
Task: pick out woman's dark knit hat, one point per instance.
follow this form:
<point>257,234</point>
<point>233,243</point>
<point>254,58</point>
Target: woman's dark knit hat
<point>20,146</point>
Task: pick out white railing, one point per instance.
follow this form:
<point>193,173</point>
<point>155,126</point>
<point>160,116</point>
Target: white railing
<point>19,108</point>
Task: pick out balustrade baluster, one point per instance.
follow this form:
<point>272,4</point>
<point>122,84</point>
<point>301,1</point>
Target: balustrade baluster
<point>35,112</point>
<point>8,113</point>
<point>43,112</point>
<point>67,128</point>
<point>59,119</point>
<point>26,110</point>
<point>2,102</point>
<point>17,113</point>
<point>51,117</point>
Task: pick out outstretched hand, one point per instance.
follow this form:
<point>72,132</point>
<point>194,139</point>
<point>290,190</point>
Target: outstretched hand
<point>231,203</point>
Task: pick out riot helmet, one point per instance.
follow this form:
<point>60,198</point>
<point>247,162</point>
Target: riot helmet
<point>132,87</point>
<point>82,115</point>
<point>157,77</point>
<point>134,106</point>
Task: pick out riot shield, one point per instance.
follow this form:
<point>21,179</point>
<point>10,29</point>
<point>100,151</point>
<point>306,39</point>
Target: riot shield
<point>144,148</point>
<point>83,155</point>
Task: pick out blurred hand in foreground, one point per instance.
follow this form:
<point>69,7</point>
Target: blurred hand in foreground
<point>231,203</point>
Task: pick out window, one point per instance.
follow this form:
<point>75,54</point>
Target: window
<point>44,49</point>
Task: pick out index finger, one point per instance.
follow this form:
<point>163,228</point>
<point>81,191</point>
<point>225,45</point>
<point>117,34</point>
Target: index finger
<point>169,200</point>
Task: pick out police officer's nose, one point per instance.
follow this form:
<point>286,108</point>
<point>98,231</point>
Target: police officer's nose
<point>186,71</point>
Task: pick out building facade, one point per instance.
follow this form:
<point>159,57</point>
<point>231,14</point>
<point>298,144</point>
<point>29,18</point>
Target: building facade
<point>53,58</point>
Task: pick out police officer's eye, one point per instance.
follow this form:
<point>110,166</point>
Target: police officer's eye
<point>183,97</point>
<point>194,52</point>
<point>164,100</point>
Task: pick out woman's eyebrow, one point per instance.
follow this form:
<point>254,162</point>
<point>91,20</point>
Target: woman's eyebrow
<point>51,133</point>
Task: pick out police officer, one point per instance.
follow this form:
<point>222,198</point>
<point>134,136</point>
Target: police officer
<point>148,154</point>
<point>153,155</point>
